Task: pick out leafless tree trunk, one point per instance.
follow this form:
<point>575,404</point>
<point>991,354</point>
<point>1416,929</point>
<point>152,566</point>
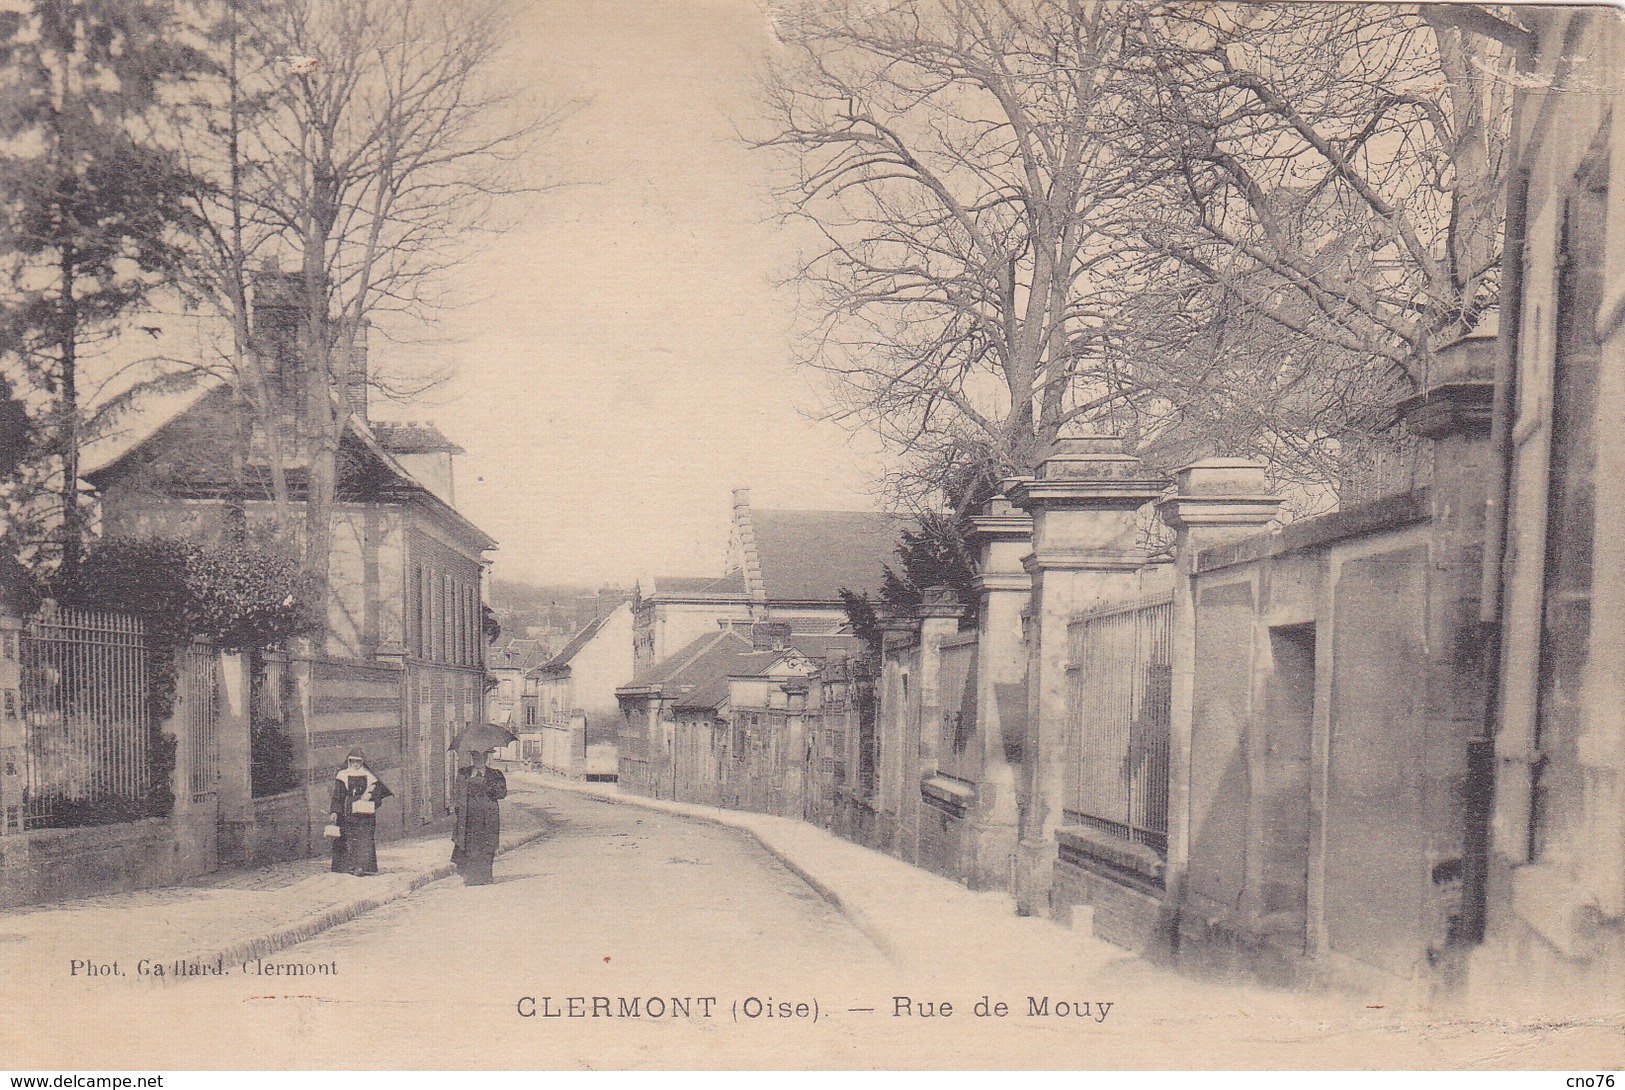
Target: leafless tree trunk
<point>216,135</point>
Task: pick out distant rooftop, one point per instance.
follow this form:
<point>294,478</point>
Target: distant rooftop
<point>811,555</point>
<point>577,642</point>
<point>412,437</point>
<point>731,585</point>
<point>699,662</point>
<point>519,654</point>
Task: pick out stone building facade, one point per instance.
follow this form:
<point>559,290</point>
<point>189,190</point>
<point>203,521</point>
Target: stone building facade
<point>1555,592</point>
<point>578,721</point>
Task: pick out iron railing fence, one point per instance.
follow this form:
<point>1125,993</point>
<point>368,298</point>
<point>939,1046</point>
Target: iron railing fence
<point>1120,690</point>
<point>1392,463</point>
<point>84,702</point>
<point>957,681</point>
<point>200,674</point>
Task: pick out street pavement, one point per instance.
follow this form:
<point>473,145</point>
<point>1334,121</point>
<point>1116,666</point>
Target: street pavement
<point>623,933</point>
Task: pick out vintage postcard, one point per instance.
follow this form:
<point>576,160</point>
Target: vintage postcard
<point>825,534</point>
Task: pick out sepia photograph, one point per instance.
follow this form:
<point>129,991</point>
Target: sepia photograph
<point>811,535</point>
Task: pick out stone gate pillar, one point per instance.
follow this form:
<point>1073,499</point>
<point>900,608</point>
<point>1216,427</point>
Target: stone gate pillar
<point>1457,753</point>
<point>15,884</point>
<point>939,615</point>
<point>13,733</point>
<point>1087,550</point>
<point>897,729</point>
<point>1002,537</point>
<point>1218,500</point>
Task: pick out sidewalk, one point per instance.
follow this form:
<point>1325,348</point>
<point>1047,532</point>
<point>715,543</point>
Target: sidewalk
<point>237,915</point>
<point>939,934</point>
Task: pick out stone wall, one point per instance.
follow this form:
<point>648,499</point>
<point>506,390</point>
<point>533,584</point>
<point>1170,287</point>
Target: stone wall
<point>564,745</point>
<point>55,864</point>
<point>282,829</point>
<point>1327,814</point>
<point>1328,698</point>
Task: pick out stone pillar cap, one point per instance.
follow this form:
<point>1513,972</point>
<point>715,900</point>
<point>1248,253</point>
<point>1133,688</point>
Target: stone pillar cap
<point>1085,444</point>
<point>1221,477</point>
<point>1450,408</point>
<point>1093,457</point>
<point>1000,516</point>
<point>1218,462</point>
<point>1471,358</point>
<point>940,602</point>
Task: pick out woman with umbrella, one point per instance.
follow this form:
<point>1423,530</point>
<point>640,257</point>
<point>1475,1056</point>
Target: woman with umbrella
<point>356,795</point>
<point>475,796</point>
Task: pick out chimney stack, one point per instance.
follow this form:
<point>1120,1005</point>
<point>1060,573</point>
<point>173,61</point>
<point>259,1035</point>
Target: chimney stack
<point>278,307</point>
<point>277,302</point>
<point>354,361</point>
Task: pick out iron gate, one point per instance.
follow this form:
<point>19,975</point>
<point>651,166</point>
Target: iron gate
<point>202,702</point>
<point>84,699</point>
<point>1120,689</point>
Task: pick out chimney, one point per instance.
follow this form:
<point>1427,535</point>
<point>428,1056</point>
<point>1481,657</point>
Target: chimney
<point>277,303</point>
<point>354,361</point>
<point>769,636</point>
<point>278,306</point>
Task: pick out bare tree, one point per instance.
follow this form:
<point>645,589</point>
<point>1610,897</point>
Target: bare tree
<point>958,158</point>
<point>1216,227</point>
<point>370,144</point>
<point>1335,168</point>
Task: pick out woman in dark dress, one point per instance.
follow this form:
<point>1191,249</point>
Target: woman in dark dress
<point>479,821</point>
<point>356,795</point>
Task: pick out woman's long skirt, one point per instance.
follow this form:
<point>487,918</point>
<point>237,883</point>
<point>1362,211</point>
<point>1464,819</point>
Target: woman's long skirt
<point>356,852</point>
<point>482,831</point>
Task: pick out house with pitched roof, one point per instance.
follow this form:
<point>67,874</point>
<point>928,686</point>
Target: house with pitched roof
<point>578,720</point>
<point>400,665</point>
<point>671,612</point>
<point>648,722</point>
<point>512,702</point>
<point>782,565</point>
<point>734,719</point>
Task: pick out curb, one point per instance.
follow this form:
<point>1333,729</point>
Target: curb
<point>854,915</point>
<point>313,925</point>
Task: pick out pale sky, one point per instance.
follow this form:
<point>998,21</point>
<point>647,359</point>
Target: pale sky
<point>626,363</point>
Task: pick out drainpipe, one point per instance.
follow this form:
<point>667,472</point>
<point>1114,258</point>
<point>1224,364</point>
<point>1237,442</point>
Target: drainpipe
<point>1481,762</point>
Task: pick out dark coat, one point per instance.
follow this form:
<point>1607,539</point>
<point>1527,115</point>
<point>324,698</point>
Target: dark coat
<point>356,849</point>
<point>478,829</point>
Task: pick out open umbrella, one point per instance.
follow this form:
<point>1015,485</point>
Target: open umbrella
<point>481,737</point>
